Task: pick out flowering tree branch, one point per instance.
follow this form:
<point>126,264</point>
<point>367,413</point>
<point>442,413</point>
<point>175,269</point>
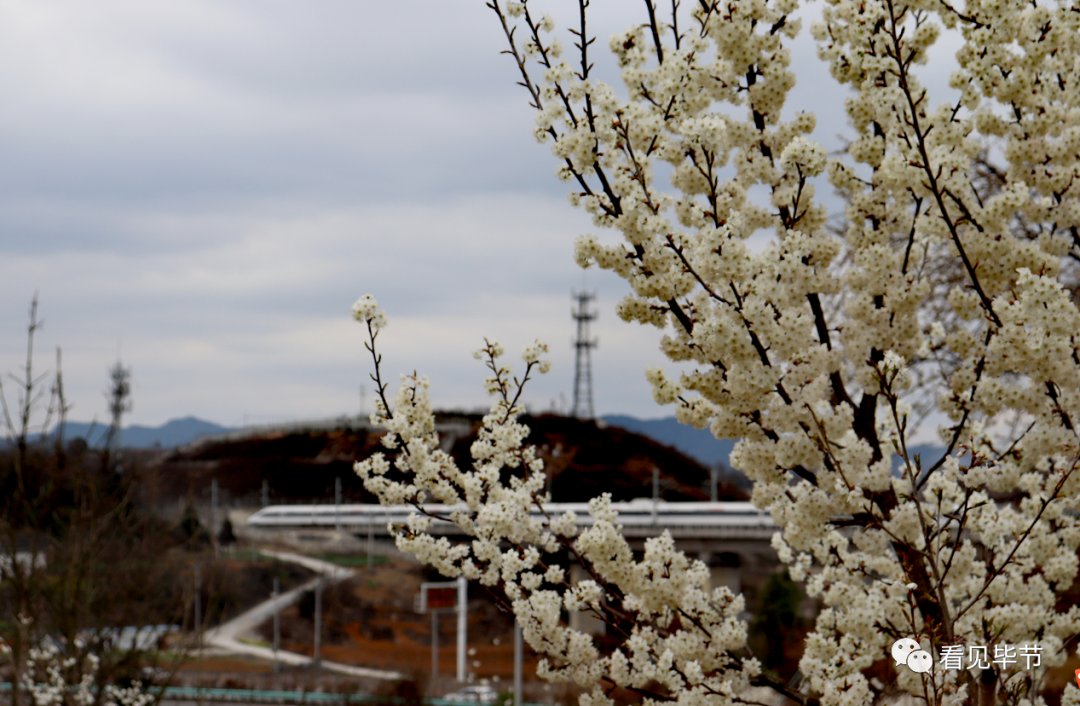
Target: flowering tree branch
<point>948,288</point>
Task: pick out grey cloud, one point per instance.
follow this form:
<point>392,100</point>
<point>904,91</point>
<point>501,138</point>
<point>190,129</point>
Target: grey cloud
<point>206,187</point>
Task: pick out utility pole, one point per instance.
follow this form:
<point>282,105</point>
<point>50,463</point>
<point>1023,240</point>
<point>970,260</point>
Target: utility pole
<point>277,625</point>
<point>583,344</point>
<point>316,658</point>
<point>198,606</point>
<point>655,492</point>
<point>434,643</point>
<point>213,514</point>
<point>462,626</point>
<point>337,503</point>
<point>518,649</point>
<point>370,542</point>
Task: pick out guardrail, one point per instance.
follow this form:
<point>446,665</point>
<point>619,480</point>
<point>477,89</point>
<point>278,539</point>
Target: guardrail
<point>282,696</point>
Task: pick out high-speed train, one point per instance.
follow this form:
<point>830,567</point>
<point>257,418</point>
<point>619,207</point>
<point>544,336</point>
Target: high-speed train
<point>642,514</point>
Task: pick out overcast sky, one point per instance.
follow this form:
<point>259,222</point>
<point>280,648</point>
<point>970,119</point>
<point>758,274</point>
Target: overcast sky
<point>203,188</point>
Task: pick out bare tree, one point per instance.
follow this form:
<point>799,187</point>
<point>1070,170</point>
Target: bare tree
<point>82,569</point>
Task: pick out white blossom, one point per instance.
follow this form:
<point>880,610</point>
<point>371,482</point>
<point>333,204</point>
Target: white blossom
<point>51,677</point>
<point>366,309</point>
<point>947,287</point>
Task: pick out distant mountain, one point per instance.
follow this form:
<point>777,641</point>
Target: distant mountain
<point>175,432</point>
<point>699,444</point>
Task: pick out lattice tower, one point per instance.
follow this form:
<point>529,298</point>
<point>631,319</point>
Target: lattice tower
<point>583,344</point>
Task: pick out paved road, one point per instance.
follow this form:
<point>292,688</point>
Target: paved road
<point>226,637</point>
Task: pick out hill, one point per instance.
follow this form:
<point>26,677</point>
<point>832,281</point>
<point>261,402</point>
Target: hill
<point>582,458</point>
<point>175,432</point>
<point>697,444</point>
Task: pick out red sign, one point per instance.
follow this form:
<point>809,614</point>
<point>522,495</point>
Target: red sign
<point>441,598</point>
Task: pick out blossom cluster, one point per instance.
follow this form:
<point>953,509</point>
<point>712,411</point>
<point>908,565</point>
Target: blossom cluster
<point>686,636</point>
<point>52,677</point>
<point>949,286</point>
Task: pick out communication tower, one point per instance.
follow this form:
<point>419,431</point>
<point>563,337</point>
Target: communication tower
<point>583,344</point>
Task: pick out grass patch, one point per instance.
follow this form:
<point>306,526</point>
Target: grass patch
<point>246,554</point>
<point>253,641</point>
<point>352,561</point>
